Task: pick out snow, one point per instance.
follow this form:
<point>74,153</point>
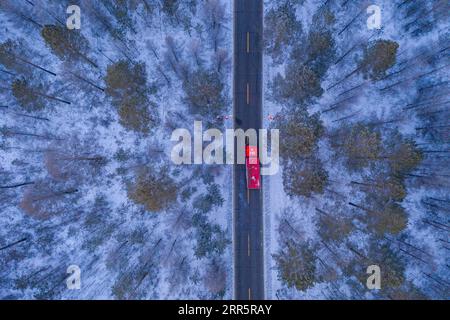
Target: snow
<point>91,117</point>
<point>369,104</point>
<point>124,238</point>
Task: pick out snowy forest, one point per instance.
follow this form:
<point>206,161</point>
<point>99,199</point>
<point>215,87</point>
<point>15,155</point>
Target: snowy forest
<point>364,144</point>
<point>85,122</point>
<point>86,117</point>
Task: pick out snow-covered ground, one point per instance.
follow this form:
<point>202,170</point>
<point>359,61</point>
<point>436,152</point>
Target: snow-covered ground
<point>123,250</point>
<point>423,50</point>
<point>70,166</point>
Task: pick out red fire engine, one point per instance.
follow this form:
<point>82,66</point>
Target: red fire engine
<point>252,166</point>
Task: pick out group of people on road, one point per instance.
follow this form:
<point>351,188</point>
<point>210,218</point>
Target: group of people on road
<point>270,117</point>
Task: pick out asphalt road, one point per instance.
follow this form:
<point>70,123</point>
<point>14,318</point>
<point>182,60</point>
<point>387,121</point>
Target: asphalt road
<point>248,215</point>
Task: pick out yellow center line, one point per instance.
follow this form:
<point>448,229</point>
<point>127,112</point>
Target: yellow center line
<point>248,42</point>
<point>248,93</point>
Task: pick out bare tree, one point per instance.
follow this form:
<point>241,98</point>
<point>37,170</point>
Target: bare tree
<point>155,190</point>
<point>74,160</point>
<point>42,200</point>
<point>214,18</point>
<point>67,44</point>
<point>215,276</point>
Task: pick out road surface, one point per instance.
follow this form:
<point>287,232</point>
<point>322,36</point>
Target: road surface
<point>248,215</point>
